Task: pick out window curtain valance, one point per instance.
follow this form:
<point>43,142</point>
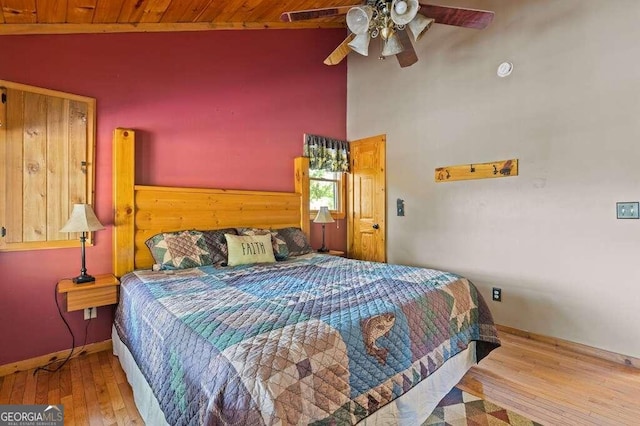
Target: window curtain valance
<point>330,155</point>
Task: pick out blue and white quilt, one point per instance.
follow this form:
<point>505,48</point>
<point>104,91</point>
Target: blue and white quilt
<point>319,340</point>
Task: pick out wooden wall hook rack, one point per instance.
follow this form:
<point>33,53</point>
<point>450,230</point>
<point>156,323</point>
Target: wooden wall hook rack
<point>494,169</point>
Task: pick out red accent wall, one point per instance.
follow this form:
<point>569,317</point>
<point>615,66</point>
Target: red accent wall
<point>222,109</point>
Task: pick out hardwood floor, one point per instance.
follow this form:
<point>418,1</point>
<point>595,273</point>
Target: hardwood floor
<point>555,386</point>
<point>93,389</point>
<point>547,384</point>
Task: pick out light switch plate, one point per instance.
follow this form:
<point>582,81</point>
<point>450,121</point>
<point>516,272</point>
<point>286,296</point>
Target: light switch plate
<point>400,207</point>
<point>628,210</point>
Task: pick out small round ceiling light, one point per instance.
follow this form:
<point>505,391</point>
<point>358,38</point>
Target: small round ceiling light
<point>504,69</point>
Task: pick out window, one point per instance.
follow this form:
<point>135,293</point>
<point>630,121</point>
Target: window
<point>46,164</point>
<point>327,189</point>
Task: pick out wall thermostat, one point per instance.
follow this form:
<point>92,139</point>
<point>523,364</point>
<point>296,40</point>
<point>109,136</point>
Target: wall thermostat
<point>504,69</point>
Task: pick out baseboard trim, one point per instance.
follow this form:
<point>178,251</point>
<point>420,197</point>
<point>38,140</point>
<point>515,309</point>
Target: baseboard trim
<point>579,348</point>
<point>30,363</point>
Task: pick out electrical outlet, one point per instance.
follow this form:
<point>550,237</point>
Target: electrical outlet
<point>90,313</point>
<point>628,210</point>
<point>497,294</point>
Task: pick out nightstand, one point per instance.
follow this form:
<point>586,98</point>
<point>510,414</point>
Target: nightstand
<point>103,291</point>
<point>336,253</point>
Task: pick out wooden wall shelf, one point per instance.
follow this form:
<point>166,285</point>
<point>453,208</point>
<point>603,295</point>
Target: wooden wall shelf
<point>103,291</point>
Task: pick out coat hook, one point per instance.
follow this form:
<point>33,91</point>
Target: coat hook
<point>495,170</point>
<point>472,169</point>
<point>448,175</point>
<point>83,167</point>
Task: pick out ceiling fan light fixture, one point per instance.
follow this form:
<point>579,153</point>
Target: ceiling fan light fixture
<point>359,18</point>
<point>397,22</point>
<point>403,11</point>
<point>386,32</point>
<point>360,44</point>
<point>392,46</point>
<point>419,25</point>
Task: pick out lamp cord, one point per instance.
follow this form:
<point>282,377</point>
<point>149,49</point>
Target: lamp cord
<point>73,340</point>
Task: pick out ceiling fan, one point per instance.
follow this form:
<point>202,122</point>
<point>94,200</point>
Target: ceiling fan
<point>393,21</point>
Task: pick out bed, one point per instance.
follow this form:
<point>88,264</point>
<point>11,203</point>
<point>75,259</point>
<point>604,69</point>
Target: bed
<point>311,339</point>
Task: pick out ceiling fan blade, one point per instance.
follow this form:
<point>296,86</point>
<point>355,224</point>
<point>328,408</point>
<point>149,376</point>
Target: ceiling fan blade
<point>303,15</point>
<point>458,16</point>
<point>408,56</point>
<point>340,52</point>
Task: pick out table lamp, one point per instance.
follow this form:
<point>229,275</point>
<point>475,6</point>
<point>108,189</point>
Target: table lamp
<point>323,217</point>
<point>84,220</point>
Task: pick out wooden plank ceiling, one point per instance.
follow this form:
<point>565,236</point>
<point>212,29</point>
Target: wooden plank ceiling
<point>92,16</point>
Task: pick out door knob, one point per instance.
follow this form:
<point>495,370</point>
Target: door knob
<point>376,226</point>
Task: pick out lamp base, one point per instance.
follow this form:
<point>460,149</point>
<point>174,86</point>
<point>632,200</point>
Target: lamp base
<point>323,250</point>
<point>83,279</point>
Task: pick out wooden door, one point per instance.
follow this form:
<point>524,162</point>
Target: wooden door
<point>367,200</point>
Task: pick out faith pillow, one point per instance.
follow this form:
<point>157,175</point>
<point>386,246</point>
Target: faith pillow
<point>248,249</point>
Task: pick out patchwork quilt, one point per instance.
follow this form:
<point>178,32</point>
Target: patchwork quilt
<point>319,340</point>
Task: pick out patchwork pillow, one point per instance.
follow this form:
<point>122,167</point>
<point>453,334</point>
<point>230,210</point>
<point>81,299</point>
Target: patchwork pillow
<point>280,248</point>
<point>179,250</point>
<point>217,244</point>
<point>296,241</point>
<point>248,249</point>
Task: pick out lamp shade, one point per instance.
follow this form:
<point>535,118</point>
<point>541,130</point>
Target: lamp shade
<point>403,11</point>
<point>419,25</point>
<point>392,46</point>
<point>359,18</point>
<point>82,219</point>
<point>360,44</point>
<point>323,216</point>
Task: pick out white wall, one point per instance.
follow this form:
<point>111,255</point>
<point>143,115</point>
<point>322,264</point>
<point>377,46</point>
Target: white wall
<point>570,113</point>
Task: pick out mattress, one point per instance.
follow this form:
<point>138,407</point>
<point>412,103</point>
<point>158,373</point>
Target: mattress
<point>316,340</point>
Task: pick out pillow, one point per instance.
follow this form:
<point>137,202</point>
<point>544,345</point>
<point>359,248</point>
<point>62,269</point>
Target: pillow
<point>295,240</point>
<point>247,249</point>
<point>280,249</point>
<point>217,244</point>
<point>179,250</point>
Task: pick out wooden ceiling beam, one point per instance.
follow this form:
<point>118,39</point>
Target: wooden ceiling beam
<point>25,29</point>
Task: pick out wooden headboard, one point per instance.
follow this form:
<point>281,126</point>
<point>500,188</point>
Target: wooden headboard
<point>143,211</point>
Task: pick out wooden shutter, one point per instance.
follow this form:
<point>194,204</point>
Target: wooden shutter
<point>47,141</point>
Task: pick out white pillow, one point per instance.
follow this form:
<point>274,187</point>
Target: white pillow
<point>248,249</point>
